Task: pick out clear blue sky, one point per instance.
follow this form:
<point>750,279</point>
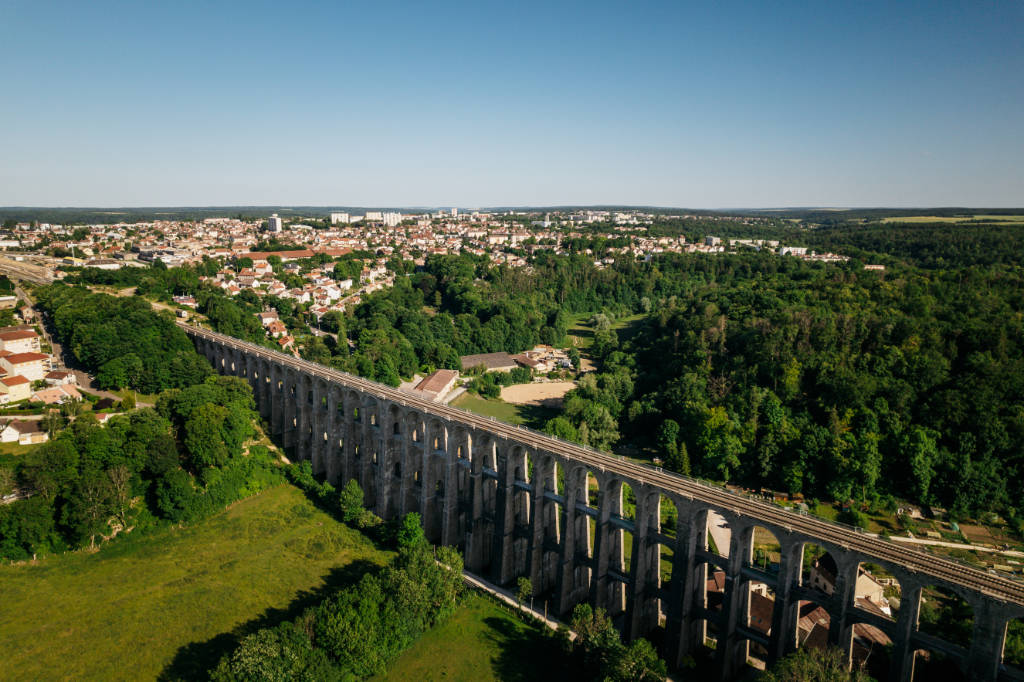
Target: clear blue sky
<point>703,104</point>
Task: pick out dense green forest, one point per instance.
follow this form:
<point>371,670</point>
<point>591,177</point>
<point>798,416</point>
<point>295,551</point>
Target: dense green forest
<point>841,383</point>
<point>121,341</point>
<point>938,246</point>
<point>826,380</point>
<point>181,461</point>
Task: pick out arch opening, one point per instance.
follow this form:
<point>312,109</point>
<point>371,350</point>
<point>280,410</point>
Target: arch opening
<point>759,617</point>
<point>819,569</point>
<point>765,551</point>
<point>627,505</point>
<point>877,591</point>
<point>1013,644</point>
<point>934,666</point>
<point>592,490</point>
<point>668,519</point>
<point>718,534</point>
<point>813,625</point>
<point>945,614</point>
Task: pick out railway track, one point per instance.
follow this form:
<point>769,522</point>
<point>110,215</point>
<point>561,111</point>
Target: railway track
<point>26,271</point>
<point>871,545</point>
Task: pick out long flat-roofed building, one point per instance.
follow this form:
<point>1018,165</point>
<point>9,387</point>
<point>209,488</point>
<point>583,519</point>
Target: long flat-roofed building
<point>493,362</point>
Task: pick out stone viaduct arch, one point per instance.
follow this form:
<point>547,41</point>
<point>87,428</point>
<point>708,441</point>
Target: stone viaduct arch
<point>520,503</point>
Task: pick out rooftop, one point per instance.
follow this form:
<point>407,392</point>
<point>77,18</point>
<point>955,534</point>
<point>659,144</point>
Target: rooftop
<point>488,360</point>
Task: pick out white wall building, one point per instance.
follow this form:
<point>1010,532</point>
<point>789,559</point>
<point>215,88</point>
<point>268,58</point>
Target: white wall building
<point>19,341</point>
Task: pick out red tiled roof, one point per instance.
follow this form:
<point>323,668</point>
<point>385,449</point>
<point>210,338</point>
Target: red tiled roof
<point>17,335</point>
<point>19,358</point>
<point>436,382</point>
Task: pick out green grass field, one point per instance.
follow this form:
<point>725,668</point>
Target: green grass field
<point>139,397</point>
<point>625,328</point>
<point>176,599</point>
<point>1009,219</point>
<point>483,640</point>
<point>533,416</point>
<point>16,449</point>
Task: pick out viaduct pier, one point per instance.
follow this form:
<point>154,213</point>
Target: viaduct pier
<point>520,503</point>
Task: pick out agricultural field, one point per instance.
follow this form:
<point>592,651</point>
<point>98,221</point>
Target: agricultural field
<point>1008,219</point>
<point>483,640</point>
<point>171,602</point>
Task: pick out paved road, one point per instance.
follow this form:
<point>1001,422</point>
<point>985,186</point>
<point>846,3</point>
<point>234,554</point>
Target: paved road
<point>510,599</point>
<point>507,597</point>
<point>720,532</point>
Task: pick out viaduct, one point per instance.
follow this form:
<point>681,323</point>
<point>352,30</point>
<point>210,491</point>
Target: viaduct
<point>519,503</point>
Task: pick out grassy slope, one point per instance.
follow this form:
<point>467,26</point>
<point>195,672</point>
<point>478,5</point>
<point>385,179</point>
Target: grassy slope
<point>625,327</point>
<point>481,641</point>
<point>175,595</point>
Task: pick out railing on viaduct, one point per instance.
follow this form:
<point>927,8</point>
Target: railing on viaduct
<point>517,503</point>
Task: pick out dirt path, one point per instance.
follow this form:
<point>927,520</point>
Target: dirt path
<point>547,393</point>
<point>956,545</point>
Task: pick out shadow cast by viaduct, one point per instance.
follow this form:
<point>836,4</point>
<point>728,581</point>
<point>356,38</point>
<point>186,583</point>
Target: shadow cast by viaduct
<point>520,503</point>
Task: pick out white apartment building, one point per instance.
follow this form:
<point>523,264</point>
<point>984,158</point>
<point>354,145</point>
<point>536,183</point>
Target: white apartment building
<point>274,224</point>
<point>19,341</point>
<point>29,365</point>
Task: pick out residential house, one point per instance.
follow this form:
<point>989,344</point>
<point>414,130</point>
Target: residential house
<point>437,384</point>
<point>267,317</point>
<point>60,377</point>
<point>32,366</point>
<point>23,432</point>
<point>14,388</point>
<point>20,341</point>
<point>276,329</point>
<point>57,395</point>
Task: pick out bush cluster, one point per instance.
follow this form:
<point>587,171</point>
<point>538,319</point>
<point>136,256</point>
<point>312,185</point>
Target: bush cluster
<point>178,462</point>
<point>359,629</point>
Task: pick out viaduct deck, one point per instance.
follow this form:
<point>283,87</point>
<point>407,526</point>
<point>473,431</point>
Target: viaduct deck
<point>995,599</point>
